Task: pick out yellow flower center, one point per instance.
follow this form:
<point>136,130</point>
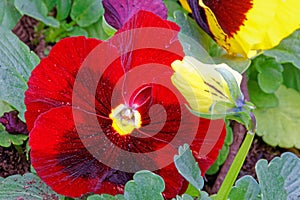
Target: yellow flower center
<point>125,119</point>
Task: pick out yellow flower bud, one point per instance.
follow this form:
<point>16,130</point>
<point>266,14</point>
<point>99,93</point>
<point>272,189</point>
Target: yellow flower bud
<point>205,88</point>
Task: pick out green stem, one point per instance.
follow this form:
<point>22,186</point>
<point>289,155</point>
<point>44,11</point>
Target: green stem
<point>19,149</point>
<point>235,168</point>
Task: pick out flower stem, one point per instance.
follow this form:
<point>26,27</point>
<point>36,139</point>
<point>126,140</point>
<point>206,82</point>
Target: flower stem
<point>235,168</point>
<point>19,149</point>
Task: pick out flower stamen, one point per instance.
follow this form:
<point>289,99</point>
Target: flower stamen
<point>125,119</point>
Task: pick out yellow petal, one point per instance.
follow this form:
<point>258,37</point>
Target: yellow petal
<point>265,25</point>
<point>185,5</point>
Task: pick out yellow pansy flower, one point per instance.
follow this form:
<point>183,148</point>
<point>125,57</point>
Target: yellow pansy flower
<point>247,27</point>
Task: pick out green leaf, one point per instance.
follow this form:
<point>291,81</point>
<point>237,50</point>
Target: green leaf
<point>245,188</point>
<point>270,73</point>
<point>145,185</point>
<point>28,186</point>
<point>223,152</point>
<point>77,31</point>
<point>96,30</point>
<point>37,10</point>
<point>9,16</point>
<point>63,9</point>
<point>281,178</point>
<point>86,12</point>
<point>50,4</point>
<point>172,6</point>
<point>237,63</point>
<point>4,107</point>
<point>280,125</point>
<point>288,50</point>
<point>7,139</point>
<point>192,191</point>
<point>260,98</point>
<point>108,29</point>
<point>16,64</point>
<point>291,76</point>
<point>195,42</point>
<point>105,197</point>
<point>188,167</point>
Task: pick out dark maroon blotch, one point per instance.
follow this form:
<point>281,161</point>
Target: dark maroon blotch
<point>13,124</point>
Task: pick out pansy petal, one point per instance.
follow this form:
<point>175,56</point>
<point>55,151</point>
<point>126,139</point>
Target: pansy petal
<point>144,19</point>
<point>51,82</point>
<point>175,185</point>
<point>247,26</point>
<point>117,12</point>
<point>63,162</point>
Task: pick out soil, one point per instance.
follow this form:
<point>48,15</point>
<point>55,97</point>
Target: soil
<point>14,162</point>
<point>25,30</point>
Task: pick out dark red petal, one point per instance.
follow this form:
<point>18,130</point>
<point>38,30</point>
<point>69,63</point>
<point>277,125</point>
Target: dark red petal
<point>144,19</point>
<point>175,184</point>
<point>208,142</point>
<point>63,162</point>
<point>230,15</point>
<point>51,82</point>
<point>117,12</point>
<point>228,20</point>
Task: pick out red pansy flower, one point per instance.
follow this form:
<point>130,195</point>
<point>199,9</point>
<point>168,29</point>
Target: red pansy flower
<point>99,111</point>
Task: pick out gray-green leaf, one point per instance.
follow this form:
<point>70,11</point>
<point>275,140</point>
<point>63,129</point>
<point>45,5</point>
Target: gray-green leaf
<point>16,64</point>
<point>9,16</point>
<point>245,188</point>
<point>183,197</point>
<point>281,178</point>
<point>105,197</point>
<point>145,185</point>
<point>188,167</point>
<point>37,10</point>
<point>28,186</point>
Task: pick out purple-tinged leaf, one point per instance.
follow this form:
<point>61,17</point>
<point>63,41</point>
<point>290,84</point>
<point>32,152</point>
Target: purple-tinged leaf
<point>117,12</point>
